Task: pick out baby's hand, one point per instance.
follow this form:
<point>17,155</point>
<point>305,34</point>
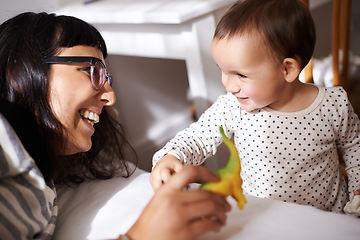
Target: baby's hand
<point>353,207</point>
<point>166,166</point>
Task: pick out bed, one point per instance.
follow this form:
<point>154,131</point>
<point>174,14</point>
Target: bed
<point>102,209</point>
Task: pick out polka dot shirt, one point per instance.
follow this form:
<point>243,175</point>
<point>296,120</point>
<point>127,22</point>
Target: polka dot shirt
<point>288,156</point>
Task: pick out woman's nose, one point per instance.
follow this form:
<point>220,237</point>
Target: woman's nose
<point>107,95</point>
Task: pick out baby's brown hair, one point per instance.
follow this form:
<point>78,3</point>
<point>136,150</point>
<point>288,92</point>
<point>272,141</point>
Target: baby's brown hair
<point>285,27</point>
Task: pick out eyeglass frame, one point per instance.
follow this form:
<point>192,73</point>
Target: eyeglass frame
<point>83,59</point>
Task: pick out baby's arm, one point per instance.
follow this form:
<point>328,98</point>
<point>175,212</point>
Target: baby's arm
<point>193,145</point>
<point>164,168</point>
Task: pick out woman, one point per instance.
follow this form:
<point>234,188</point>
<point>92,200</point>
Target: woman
<point>56,127</point>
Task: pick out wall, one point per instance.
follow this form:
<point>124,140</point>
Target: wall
<point>151,99</point>
<point>13,7</point>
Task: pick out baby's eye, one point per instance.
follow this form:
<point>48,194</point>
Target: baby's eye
<point>241,76</point>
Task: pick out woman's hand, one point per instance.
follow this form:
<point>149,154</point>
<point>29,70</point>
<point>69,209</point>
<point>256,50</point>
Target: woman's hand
<point>177,214</point>
<point>166,166</point>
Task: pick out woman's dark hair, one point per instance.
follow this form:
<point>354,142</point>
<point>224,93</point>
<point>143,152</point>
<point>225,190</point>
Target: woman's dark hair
<point>286,27</point>
<point>25,42</point>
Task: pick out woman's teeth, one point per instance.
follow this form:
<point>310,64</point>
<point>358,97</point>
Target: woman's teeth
<point>90,117</point>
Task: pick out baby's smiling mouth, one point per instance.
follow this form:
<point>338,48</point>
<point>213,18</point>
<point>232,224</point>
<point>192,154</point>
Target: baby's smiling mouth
<point>89,116</point>
<point>240,99</point>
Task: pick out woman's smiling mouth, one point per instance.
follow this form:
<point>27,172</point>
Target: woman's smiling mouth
<point>89,116</point>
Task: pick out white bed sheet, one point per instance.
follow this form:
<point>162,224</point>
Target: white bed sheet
<point>104,209</point>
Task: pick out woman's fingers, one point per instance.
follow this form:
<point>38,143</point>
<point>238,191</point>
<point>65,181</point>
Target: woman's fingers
<point>200,204</point>
<point>201,226</point>
<point>200,196</point>
<point>191,174</point>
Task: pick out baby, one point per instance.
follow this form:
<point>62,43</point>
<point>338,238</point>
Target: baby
<point>289,134</point>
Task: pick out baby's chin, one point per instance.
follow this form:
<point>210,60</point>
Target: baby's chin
<point>250,109</point>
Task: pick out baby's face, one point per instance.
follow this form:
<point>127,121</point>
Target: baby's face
<point>248,73</point>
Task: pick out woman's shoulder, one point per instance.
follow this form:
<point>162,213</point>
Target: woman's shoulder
<point>14,157</point>
<point>23,131</point>
<point>23,190</point>
<point>17,135</point>
<point>19,174</point>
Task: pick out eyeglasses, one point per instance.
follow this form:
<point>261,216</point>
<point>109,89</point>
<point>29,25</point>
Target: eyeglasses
<point>98,73</point>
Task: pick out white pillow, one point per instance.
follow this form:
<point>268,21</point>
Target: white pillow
<point>102,209</point>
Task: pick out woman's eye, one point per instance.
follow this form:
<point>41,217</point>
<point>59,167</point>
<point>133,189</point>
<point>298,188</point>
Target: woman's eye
<point>86,70</point>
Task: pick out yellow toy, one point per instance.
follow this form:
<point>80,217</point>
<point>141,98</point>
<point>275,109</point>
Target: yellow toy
<point>230,183</point>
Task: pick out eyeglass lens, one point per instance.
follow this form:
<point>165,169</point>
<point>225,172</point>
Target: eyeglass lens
<point>99,76</point>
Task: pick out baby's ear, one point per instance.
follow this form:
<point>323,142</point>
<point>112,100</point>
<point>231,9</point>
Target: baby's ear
<point>291,69</point>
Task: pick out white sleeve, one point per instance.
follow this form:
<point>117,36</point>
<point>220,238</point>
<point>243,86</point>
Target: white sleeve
<point>201,139</point>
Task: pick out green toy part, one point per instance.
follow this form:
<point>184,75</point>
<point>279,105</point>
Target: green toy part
<point>231,182</point>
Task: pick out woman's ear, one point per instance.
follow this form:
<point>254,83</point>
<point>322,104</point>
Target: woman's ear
<point>291,69</point>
